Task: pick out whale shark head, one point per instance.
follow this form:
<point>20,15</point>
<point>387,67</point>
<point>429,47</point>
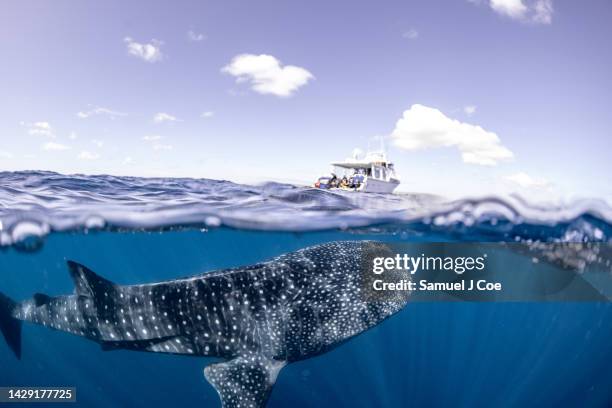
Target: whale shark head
<point>388,288</point>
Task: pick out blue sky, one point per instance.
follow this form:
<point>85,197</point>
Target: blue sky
<point>496,95</point>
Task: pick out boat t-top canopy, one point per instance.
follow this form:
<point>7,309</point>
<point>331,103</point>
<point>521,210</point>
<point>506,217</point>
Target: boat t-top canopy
<point>373,158</point>
<point>353,164</point>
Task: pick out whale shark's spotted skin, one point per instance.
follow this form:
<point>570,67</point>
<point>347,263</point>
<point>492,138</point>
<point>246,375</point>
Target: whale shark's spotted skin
<point>258,318</point>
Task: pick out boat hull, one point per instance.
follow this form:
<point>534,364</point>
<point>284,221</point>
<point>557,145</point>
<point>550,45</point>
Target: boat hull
<point>379,186</point>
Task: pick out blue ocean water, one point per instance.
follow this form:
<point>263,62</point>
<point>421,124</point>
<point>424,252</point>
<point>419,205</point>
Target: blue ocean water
<point>463,354</point>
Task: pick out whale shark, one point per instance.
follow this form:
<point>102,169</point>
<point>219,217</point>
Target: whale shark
<point>256,319</point>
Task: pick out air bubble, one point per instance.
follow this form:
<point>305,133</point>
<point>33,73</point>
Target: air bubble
<point>212,221</point>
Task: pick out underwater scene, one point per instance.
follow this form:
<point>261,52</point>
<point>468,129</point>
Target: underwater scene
<point>266,259</point>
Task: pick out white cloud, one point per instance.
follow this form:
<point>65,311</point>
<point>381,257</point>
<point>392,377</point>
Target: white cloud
<point>42,125</point>
<point>154,141</point>
<point>149,52</point>
<point>87,155</point>
<point>100,111</point>
<point>526,181</point>
<point>39,129</point>
<point>469,110</point>
<point>73,136</point>
<point>543,11</point>
<point>164,117</point>
<point>52,146</point>
<point>98,143</point>
<point>151,138</point>
<point>207,114</point>
<point>510,8</point>
<point>193,36</point>
<point>411,34</point>
<point>5,154</point>
<point>422,127</point>
<point>128,160</point>
<point>533,11</point>
<point>159,146</point>
<point>266,74</point>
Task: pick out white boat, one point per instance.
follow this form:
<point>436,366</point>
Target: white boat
<point>370,174</point>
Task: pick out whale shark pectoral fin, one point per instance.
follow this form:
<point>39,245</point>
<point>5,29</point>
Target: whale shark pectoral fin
<point>87,282</point>
<point>244,381</point>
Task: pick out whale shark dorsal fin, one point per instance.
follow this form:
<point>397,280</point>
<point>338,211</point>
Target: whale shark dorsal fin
<point>86,281</point>
<point>244,381</point>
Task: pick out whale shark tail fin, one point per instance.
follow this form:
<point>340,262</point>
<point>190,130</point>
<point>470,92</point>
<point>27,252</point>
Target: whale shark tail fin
<point>244,381</point>
<point>87,282</point>
<point>9,326</point>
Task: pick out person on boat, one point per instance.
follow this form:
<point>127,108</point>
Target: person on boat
<point>333,182</point>
<point>344,183</point>
<point>357,179</point>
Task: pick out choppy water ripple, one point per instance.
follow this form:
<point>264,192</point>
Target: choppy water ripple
<point>33,204</point>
